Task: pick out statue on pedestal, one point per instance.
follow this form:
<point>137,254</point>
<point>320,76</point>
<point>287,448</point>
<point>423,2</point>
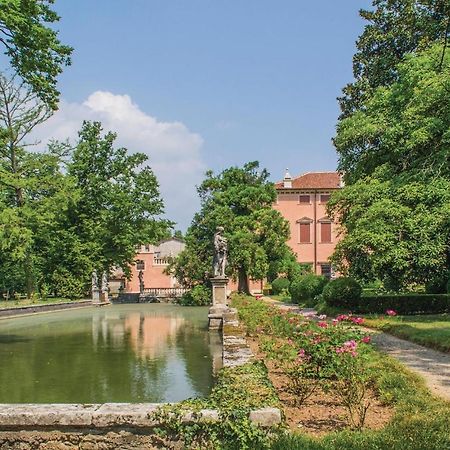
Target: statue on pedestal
<point>141,282</point>
<point>220,253</point>
<point>94,281</point>
<point>105,282</point>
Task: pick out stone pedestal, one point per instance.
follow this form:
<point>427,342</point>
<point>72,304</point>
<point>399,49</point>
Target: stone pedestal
<point>219,301</point>
<point>104,297</point>
<point>96,296</point>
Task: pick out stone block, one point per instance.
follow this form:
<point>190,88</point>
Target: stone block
<point>266,417</point>
<point>120,414</point>
<point>46,415</point>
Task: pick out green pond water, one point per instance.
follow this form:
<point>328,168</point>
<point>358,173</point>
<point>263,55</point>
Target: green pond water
<point>118,353</point>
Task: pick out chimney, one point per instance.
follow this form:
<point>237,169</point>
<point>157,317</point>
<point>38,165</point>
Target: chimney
<point>287,180</point>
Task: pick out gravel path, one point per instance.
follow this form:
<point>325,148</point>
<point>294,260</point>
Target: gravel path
<point>432,365</point>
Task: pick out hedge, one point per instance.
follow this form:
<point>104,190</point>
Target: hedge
<point>403,303</point>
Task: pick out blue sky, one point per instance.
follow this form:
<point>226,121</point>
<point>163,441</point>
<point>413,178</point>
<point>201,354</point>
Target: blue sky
<point>224,81</point>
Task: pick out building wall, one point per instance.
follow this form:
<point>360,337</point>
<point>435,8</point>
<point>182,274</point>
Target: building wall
<point>315,252</point>
<point>154,259</point>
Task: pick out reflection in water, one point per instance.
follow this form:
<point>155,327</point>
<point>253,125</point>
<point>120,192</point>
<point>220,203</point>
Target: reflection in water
<point>120,353</point>
<point>149,336</point>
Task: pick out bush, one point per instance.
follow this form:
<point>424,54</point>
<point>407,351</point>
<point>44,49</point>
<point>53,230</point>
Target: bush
<point>307,287</point>
<point>279,284</point>
<point>342,292</point>
<point>403,303</point>
<point>198,296</point>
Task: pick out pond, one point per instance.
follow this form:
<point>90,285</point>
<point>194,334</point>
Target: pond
<point>118,353</point>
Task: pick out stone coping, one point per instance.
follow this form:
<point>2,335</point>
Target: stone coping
<point>46,307</point>
<point>108,415</point>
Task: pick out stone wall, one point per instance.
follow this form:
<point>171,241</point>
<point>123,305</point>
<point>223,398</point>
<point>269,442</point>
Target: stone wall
<point>33,309</point>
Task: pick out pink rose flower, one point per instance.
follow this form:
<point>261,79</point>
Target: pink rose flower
<point>391,312</point>
<point>366,339</point>
<point>322,324</point>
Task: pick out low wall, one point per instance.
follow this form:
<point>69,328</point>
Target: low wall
<point>33,309</point>
<point>106,426</point>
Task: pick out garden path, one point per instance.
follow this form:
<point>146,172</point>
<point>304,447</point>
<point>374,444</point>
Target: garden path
<point>432,365</point>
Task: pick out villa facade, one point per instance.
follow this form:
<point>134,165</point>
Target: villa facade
<point>152,260</point>
<point>302,201</point>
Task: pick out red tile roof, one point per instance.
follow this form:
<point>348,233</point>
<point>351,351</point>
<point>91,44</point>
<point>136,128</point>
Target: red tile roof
<point>314,180</point>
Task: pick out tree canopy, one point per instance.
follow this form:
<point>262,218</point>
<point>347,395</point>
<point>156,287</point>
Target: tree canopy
<point>394,28</point>
<point>240,199</point>
<point>63,211</point>
<point>395,152</point>
<point>32,45</point>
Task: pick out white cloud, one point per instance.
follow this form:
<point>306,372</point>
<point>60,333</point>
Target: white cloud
<point>173,149</point>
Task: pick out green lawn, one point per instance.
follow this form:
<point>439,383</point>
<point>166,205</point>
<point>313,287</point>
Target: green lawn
<point>429,330</point>
<point>13,303</point>
<point>281,298</point>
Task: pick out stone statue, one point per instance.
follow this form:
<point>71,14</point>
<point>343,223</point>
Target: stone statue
<point>220,253</point>
<point>104,282</point>
<point>94,281</point>
<point>141,281</point>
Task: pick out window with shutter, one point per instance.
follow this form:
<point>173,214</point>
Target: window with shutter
<point>305,233</point>
<point>325,232</point>
<point>303,199</point>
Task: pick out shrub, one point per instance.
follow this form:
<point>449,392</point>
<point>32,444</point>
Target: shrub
<point>307,287</point>
<point>198,296</point>
<point>279,284</point>
<point>343,292</point>
<point>413,303</point>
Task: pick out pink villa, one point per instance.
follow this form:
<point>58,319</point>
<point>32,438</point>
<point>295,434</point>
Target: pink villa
<point>302,201</point>
<point>153,260</point>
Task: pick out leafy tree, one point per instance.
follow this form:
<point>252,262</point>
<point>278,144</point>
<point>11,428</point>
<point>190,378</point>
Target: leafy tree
<point>118,200</point>
<point>32,45</point>
<point>395,28</point>
<point>240,200</point>
<point>395,207</point>
<point>23,179</point>
<point>405,126</point>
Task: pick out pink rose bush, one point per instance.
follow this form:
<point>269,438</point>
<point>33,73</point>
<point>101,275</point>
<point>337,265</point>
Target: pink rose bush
<point>313,353</point>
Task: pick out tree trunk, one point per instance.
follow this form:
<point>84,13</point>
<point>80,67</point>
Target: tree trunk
<point>243,281</point>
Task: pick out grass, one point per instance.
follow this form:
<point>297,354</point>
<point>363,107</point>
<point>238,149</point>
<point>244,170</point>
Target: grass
<point>13,303</point>
<point>429,330</point>
<point>420,421</point>
<point>281,298</point>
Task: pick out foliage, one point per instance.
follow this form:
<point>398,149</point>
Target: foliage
<point>238,391</point>
<point>240,200</point>
<point>32,45</point>
<point>307,287</point>
<point>393,29</point>
<point>197,296</point>
<point>64,214</point>
<point>118,199</point>
<point>344,292</point>
<point>412,303</point>
<point>279,285</point>
<point>394,209</point>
